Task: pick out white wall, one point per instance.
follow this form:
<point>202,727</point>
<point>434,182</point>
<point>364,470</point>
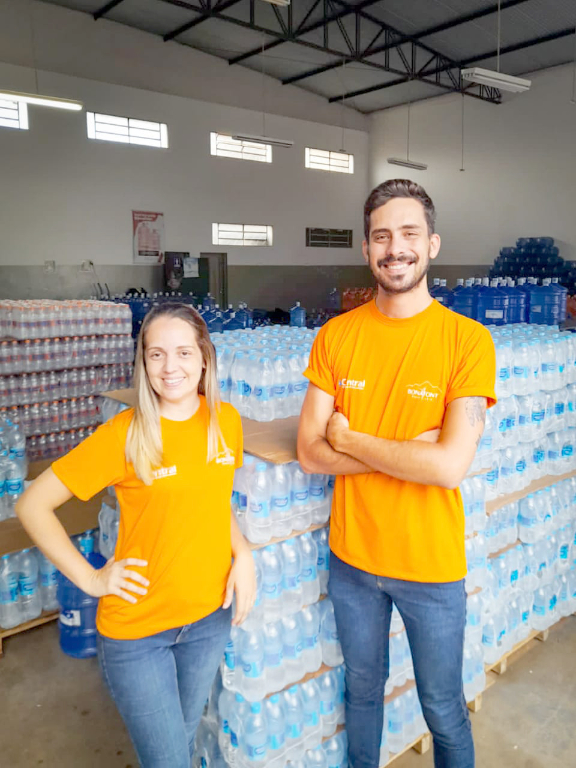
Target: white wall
<point>67,198</point>
<point>519,160</point>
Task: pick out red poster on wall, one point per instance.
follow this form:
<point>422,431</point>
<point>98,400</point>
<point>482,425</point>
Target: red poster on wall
<point>148,237</point>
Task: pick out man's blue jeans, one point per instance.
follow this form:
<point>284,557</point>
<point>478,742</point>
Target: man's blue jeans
<point>434,616</point>
<point>160,685</point>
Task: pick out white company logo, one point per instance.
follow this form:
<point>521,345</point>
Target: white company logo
<point>159,474</point>
<point>425,392</point>
<point>225,458</point>
<point>352,384</point>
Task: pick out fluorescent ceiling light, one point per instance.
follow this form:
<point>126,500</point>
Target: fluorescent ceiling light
<point>263,140</point>
<point>408,164</point>
<point>496,79</point>
<point>278,2</point>
<point>42,101</point>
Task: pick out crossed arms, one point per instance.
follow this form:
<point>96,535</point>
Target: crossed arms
<point>442,457</point>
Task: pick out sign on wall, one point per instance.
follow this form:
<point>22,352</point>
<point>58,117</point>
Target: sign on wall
<point>147,237</point>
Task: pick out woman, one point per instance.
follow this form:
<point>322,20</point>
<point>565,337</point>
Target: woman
<point>164,617</point>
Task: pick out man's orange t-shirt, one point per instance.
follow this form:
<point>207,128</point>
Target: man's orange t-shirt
<point>393,378</point>
<point>180,524</point>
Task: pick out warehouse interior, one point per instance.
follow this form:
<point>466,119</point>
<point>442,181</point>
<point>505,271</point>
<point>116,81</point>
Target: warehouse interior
<point>373,79</point>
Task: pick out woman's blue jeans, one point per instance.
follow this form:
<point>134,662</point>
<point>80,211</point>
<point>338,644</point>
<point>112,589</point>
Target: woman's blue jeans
<point>160,685</point>
<point>434,616</point>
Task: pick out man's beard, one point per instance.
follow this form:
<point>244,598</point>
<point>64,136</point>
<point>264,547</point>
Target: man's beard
<point>389,287</point>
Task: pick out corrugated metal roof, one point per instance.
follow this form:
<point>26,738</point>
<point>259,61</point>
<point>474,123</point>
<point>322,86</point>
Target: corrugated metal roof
<point>351,32</point>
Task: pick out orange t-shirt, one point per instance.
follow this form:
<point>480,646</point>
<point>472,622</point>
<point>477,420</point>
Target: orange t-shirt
<point>180,524</point>
<point>393,378</point>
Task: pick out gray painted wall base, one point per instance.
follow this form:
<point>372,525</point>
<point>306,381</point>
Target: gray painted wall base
<point>265,287</point>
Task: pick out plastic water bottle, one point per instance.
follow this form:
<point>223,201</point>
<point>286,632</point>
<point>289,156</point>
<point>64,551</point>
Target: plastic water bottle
<point>258,515</point>
<point>328,687</point>
<point>238,389</point>
<point>272,636</point>
<point>309,618</point>
<point>10,611</point>
<point>108,521</point>
<point>394,712</point>
<point>276,723</point>
<point>272,590</point>
<point>397,667</point>
<point>236,719</point>
<point>321,538</point>
<point>292,648</point>
<point>252,681</point>
<point>225,706</point>
<point>319,503</point>
<point>28,586</point>
<point>281,500</point>
<point>331,649</point>
<point>228,665</point>
<point>281,388</point>
<point>310,696</point>
<point>301,512</point>
<point>255,742</point>
<point>384,749</point>
<point>263,408</point>
<point>292,568</point>
<point>48,583</point>
<point>309,572</point>
<point>334,751</point>
<point>315,758</point>
<point>294,714</point>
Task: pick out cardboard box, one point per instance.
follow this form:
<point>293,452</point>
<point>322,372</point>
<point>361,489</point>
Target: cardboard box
<point>273,441</point>
<point>76,516</point>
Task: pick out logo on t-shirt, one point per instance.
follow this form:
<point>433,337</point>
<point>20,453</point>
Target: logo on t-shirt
<point>226,458</point>
<point>352,384</point>
<point>425,392</point>
<point>158,474</point>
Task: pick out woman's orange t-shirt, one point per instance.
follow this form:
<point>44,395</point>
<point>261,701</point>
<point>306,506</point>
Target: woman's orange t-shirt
<point>180,524</point>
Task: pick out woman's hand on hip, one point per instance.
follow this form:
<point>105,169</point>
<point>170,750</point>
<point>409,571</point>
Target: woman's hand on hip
<point>242,582</point>
<point>116,578</point>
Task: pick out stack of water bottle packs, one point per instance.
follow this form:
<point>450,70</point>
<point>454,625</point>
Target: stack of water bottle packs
<point>29,583</point>
<point>530,432</point>
<point>55,356</point>
<point>13,466</point>
<point>533,257</point>
<point>501,301</point>
<point>274,500</point>
<point>260,371</point>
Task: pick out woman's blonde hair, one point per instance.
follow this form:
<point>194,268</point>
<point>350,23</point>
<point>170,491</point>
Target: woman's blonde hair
<point>144,440</point>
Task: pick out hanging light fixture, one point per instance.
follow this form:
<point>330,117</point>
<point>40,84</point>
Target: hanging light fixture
<point>407,163</point>
<point>42,101</point>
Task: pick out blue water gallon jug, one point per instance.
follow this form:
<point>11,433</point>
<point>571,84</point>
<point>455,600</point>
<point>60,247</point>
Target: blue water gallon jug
<point>546,305</point>
<point>517,304</point>
<point>298,316</point>
<point>562,294</point>
<point>493,305</point>
<point>465,301</point>
<point>77,621</point>
<point>443,294</point>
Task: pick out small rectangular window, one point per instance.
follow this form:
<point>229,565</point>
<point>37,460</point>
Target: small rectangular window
<point>241,234</point>
<point>328,238</point>
<point>13,114</point>
<point>223,145</point>
<point>126,130</point>
<point>324,160</point>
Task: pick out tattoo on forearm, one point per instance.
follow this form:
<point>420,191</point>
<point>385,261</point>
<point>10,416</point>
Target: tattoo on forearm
<point>476,410</point>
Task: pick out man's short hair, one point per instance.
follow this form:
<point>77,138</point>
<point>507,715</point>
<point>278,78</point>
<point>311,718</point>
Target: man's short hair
<point>393,188</point>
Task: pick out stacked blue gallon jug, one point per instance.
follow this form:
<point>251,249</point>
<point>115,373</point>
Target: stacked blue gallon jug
<point>533,257</point>
<point>502,301</point>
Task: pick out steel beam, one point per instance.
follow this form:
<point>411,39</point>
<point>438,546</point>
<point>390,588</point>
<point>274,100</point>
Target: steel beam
<point>105,8</point>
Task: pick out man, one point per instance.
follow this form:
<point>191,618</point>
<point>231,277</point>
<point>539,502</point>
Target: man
<point>396,408</point>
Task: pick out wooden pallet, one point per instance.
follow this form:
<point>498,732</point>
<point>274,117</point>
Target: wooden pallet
<point>475,705</point>
<point>44,618</point>
<point>422,744</point>
<point>500,666</point>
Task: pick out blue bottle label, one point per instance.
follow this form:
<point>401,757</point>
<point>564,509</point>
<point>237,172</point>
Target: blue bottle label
<point>326,706</point>
<point>559,409</point>
<point>273,660</point>
<point>300,387</point>
<point>280,502</point>
<point>247,389</point>
<point>294,730</point>
<point>310,573</point>
<point>488,640</point>
<point>252,669</point>
<point>322,563</point>
<point>262,394</point>
<point>225,727</point>
<point>311,641</point>
<point>502,425</point>
<point>255,751</point>
<point>14,486</point>
<point>538,416</point>
<point>279,390</point>
<point>539,609</point>
<point>292,650</point>
<point>242,501</point>
<point>240,384</point>
<point>236,498</point>
<point>259,508</point>
<point>538,456</point>
<point>504,374</point>
<point>395,726</point>
<point>552,603</point>
<point>272,590</point>
<point>49,578</point>
<point>525,617</point>
<point>233,739</point>
<point>311,719</point>
<point>27,585</point>
<point>317,491</point>
<point>520,372</point>
<point>291,582</point>
<point>523,419</point>
<point>514,576</point>
<point>553,454</point>
<point>300,497</point>
<point>230,657</point>
<point>521,466</point>
<point>10,592</point>
<point>567,451</point>
<point>564,552</point>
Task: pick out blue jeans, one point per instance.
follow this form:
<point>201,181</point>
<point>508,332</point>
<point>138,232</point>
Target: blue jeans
<point>160,685</point>
<point>434,616</point>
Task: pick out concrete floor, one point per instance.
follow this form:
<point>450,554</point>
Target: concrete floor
<point>56,713</point>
